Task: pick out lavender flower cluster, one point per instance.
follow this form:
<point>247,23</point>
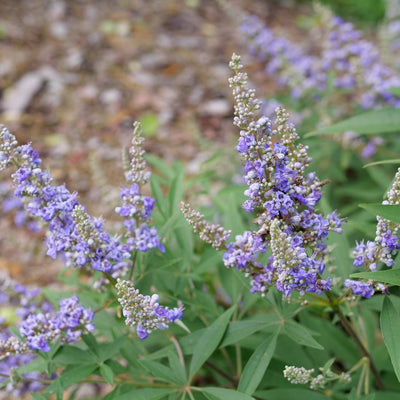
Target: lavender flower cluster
<point>70,228</point>
<point>352,64</point>
<point>41,328</point>
<point>12,204</point>
<point>283,59</point>
<point>7,365</point>
<point>356,62</point>
<point>82,240</point>
<point>17,302</point>
<point>381,250</point>
<point>20,298</point>
<point>144,311</point>
<point>290,231</point>
<point>137,208</point>
<point>67,324</point>
<point>38,330</point>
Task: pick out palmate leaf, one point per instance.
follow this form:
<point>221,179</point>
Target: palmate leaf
<point>390,325</point>
<point>387,211</point>
<point>385,120</point>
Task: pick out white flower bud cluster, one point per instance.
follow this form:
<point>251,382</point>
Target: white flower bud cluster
<point>213,234</point>
<point>298,375</point>
<point>393,198</point>
<point>8,143</point>
<point>246,104</point>
<point>318,382</point>
<point>394,193</point>
<point>138,308</point>
<point>84,226</point>
<point>137,173</point>
<point>144,311</point>
<point>378,250</point>
<point>12,346</point>
<point>285,257</point>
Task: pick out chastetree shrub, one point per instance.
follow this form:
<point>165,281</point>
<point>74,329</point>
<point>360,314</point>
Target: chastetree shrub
<point>271,310</point>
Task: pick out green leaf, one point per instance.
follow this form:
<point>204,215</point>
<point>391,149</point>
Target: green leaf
<point>354,395</point>
<point>176,189</point>
<point>391,276</point>
<point>300,335</point>
<point>160,371</point>
<point>393,161</point>
<point>290,394</point>
<point>327,366</point>
<point>74,355</point>
<point>150,124</point>
<point>384,120</point>
<point>228,201</point>
<point>38,396</point>
<point>224,394</point>
<point>91,343</point>
<point>177,367</point>
<point>131,393</point>
<point>109,350</point>
<point>239,330</point>
<point>158,195</point>
<point>107,373</point>
<point>36,365</point>
<point>59,390</point>
<point>159,165</point>
<point>387,211</point>
<point>116,367</point>
<point>257,365</point>
<point>209,341</point>
<point>341,251</point>
<point>385,395</point>
<point>395,90</point>
<point>390,325</point>
<point>184,236</point>
<point>70,376</point>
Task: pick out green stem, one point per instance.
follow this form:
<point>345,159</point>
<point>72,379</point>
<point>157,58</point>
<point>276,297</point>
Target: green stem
<point>133,265</point>
<point>109,278</point>
<point>104,306</point>
<point>350,331</point>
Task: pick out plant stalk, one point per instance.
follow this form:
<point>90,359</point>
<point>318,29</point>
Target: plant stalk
<point>350,331</point>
